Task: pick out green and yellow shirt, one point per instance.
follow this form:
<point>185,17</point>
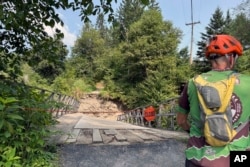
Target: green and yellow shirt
<point>198,151</point>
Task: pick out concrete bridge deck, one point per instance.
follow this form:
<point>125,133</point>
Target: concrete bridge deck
<point>82,129</point>
<point>86,141</point>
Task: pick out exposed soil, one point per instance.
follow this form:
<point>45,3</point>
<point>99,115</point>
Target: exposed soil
<point>93,105</point>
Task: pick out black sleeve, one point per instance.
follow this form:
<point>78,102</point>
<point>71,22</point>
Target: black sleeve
<point>183,100</point>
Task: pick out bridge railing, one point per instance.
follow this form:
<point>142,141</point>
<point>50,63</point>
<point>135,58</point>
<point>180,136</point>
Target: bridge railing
<point>164,116</point>
<point>62,104</point>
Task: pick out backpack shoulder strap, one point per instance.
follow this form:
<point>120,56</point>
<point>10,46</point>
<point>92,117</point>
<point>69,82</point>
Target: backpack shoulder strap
<point>229,83</point>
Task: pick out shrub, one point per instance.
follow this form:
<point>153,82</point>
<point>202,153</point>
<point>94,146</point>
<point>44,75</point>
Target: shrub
<point>23,126</point>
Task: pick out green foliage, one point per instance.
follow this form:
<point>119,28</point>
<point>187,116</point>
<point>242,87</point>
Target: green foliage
<point>158,86</point>
<point>184,70</point>
<point>68,84</point>
<point>129,12</point>
<point>23,126</point>
<point>242,64</point>
<point>236,27</point>
<point>82,86</point>
<point>144,71</point>
<point>243,7</point>
<point>239,29</point>
<point>89,47</point>
<point>9,158</point>
<point>200,66</point>
<point>218,25</point>
<point>24,30</point>
<point>9,65</point>
<point>49,64</point>
<point>151,41</point>
<point>31,78</point>
<point>75,88</point>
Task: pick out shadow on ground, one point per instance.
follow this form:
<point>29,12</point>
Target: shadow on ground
<point>168,153</point>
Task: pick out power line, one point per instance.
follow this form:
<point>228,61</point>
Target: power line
<point>192,33</point>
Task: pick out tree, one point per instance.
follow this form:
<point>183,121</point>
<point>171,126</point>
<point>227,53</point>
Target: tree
<point>150,40</point>
<point>242,64</point>
<point>243,7</point>
<point>153,5</point>
<point>49,64</point>
<point>88,47</point>
<point>239,28</point>
<point>22,29</point>
<point>183,66</point>
<point>183,56</point>
<point>149,57</point>
<point>101,26</point>
<point>218,25</point>
<point>129,12</point>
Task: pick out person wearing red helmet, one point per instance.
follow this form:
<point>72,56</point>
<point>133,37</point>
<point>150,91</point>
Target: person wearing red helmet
<point>222,52</point>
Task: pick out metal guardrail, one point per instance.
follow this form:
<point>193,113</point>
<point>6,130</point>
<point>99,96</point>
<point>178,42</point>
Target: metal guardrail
<point>164,116</point>
<point>69,104</point>
<point>64,104</point>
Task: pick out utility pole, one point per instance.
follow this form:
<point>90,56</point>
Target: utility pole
<point>192,33</point>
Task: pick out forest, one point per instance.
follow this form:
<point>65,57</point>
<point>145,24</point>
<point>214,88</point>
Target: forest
<point>130,56</point>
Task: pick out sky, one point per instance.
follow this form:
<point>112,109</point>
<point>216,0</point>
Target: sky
<point>176,11</point>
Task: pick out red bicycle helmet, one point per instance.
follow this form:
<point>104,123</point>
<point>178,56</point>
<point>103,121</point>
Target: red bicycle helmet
<point>223,44</point>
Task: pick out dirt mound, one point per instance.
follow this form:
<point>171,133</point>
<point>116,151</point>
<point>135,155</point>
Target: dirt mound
<point>93,105</point>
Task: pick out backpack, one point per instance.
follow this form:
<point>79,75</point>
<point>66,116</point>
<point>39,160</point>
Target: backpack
<point>216,116</point>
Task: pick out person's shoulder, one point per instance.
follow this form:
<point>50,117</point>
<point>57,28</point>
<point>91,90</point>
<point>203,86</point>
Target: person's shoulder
<point>212,76</point>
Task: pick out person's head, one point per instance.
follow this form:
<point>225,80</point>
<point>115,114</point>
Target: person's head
<point>223,51</point>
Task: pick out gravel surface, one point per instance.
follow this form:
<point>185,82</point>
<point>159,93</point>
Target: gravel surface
<point>168,153</point>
